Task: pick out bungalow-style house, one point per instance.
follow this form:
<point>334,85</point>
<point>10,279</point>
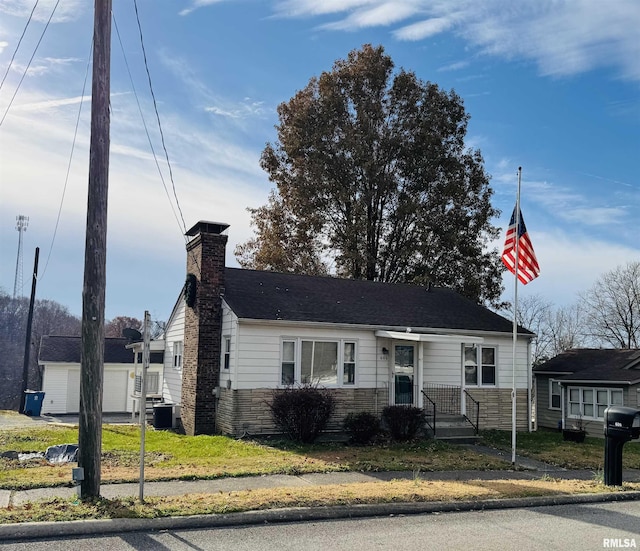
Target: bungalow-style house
<point>575,387</point>
<point>235,335</point>
<point>59,359</point>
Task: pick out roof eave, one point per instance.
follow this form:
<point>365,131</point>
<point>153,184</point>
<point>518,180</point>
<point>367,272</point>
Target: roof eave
<point>368,327</point>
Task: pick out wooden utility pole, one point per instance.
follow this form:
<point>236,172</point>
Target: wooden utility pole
<point>95,255</point>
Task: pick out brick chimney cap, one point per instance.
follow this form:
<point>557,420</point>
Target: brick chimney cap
<point>204,226</point>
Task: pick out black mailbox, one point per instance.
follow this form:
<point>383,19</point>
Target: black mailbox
<point>622,422</point>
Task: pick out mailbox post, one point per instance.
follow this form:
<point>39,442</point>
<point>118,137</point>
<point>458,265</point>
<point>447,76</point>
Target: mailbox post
<point>621,424</point>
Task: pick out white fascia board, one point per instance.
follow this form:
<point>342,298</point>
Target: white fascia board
<point>604,382</point>
<point>154,346</point>
<point>428,337</point>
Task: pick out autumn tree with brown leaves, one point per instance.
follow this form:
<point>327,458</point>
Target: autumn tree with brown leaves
<point>374,181</point>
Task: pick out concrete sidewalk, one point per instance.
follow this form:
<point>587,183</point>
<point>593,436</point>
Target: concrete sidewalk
<point>33,530</point>
<point>178,487</point>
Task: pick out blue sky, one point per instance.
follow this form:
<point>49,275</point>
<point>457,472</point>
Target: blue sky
<point>550,86</point>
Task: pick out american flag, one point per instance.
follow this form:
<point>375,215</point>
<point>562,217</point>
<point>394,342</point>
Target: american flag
<point>528,268</point>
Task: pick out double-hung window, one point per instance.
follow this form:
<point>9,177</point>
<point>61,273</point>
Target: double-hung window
<point>324,362</point>
<point>288,362</point>
<point>227,352</point>
<point>151,383</point>
<point>178,349</point>
<point>554,394</point>
<point>479,365</point>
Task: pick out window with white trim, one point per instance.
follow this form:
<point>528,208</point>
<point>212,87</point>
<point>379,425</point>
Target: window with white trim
<point>324,362</point>
<point>178,349</point>
<point>227,352</point>
<point>151,383</point>
<point>554,394</point>
<point>590,403</point>
<point>479,365</point>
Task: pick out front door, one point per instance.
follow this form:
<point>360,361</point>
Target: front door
<point>404,369</point>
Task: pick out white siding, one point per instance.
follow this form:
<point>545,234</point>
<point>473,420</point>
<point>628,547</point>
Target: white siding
<point>54,385</point>
<point>61,385</point>
<point>442,363</point>
<point>172,378</point>
<point>256,350</point>
<point>258,353</point>
<point>229,329</point>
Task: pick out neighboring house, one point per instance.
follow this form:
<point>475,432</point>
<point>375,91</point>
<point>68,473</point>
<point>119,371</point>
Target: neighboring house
<point>578,385</point>
<point>239,334</point>
<point>59,358</point>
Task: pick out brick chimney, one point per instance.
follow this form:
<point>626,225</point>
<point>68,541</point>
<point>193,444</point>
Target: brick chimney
<point>203,327</point>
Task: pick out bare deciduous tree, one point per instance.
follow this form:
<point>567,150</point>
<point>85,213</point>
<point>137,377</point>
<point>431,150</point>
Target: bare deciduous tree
<point>612,307</point>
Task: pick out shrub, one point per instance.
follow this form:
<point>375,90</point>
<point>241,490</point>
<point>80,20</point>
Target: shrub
<point>302,412</point>
<point>403,422</point>
<point>361,427</point>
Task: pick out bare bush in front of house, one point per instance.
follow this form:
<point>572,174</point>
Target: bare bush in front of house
<point>361,427</point>
<point>302,413</point>
<point>403,422</point>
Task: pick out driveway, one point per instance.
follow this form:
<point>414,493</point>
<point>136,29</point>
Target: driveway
<point>12,419</point>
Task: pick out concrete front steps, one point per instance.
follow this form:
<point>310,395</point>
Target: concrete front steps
<point>455,429</point>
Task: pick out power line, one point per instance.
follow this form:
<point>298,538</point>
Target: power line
<point>24,74</point>
<point>18,45</point>
<point>155,106</point>
<point>166,153</point>
<point>144,122</point>
<point>73,145</point>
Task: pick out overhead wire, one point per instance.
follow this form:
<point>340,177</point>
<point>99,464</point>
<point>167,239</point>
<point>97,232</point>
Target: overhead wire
<point>164,147</point>
<point>144,122</point>
<point>73,145</point>
<point>155,106</point>
<point>24,74</point>
<point>24,31</point>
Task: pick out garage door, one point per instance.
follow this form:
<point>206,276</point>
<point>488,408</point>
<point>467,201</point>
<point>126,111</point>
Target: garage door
<point>73,391</point>
<point>114,391</point>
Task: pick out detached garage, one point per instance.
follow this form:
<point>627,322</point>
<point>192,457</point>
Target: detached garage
<point>59,359</point>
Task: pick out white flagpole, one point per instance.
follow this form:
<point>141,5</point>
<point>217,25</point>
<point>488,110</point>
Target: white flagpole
<point>515,324</point>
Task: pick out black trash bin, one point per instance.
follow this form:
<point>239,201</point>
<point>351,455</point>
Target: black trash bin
<point>163,416</point>
<point>33,403</point>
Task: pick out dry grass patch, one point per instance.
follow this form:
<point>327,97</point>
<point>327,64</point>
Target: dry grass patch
<point>398,491</point>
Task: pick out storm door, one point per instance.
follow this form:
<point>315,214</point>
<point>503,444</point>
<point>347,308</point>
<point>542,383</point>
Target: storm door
<point>404,370</point>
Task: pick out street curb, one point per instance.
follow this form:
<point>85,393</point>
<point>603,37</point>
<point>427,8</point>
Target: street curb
<point>40,530</point>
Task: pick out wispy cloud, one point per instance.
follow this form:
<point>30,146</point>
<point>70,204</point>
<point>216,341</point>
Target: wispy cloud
<point>45,65</point>
<point>230,109</point>
<point>49,104</point>
<point>384,14</point>
<point>564,37</point>
<point>239,110</point>
<point>70,10</point>
<point>195,4</point>
<point>3,45</point>
<point>454,66</point>
<point>424,29</point>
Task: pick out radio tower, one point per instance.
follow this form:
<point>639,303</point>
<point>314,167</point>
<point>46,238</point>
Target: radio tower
<point>21,225</point>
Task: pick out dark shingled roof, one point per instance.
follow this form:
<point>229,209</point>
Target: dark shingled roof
<point>591,364</point>
<point>265,295</point>
<point>67,349</point>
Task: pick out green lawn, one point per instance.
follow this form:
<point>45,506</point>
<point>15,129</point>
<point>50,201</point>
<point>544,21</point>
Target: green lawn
<point>174,456</point>
<point>548,446</point>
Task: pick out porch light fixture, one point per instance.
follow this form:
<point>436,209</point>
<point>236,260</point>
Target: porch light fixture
<point>385,351</point>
